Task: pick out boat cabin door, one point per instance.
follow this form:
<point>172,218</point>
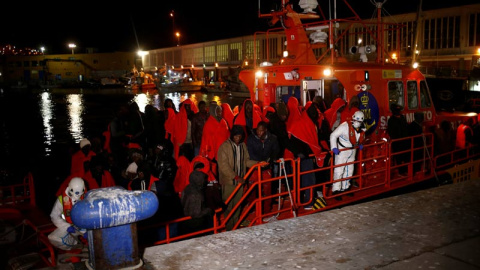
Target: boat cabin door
<point>310,89</point>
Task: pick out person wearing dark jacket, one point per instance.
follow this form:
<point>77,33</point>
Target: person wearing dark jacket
<point>416,128</point>
<point>277,125</point>
<point>304,141</point>
<point>398,128</point>
<point>193,202</point>
<point>263,146</point>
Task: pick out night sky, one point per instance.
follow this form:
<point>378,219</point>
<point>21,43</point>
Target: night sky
<point>147,25</point>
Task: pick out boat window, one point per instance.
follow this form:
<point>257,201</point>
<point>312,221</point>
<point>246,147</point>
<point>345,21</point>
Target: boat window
<point>425,101</point>
<point>395,92</point>
<point>332,90</point>
<point>285,92</point>
<point>412,94</point>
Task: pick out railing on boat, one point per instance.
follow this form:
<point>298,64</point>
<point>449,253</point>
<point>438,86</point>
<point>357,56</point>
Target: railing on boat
<point>375,172</point>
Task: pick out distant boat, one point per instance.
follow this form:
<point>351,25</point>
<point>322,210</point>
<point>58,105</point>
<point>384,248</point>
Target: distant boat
<point>181,86</point>
<point>19,85</point>
<point>142,86</point>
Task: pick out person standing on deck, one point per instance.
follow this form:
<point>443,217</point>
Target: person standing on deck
<point>398,128</point>
<point>263,146</point>
<point>81,158</point>
<point>464,134</point>
<point>233,161</point>
<point>227,114</point>
<point>344,140</point>
<point>304,141</point>
<point>198,122</point>
<point>347,112</point>
<point>182,136</point>
<point>215,132</point>
<point>334,113</point>
<point>135,128</point>
<point>247,117</point>
<point>118,136</point>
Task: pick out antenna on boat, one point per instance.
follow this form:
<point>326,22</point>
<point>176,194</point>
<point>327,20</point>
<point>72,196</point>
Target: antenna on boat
<point>417,23</point>
<point>135,31</point>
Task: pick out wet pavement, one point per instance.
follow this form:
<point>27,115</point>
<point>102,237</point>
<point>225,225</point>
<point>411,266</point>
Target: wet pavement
<point>437,228</point>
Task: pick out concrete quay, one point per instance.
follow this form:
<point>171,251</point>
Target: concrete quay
<point>436,228</point>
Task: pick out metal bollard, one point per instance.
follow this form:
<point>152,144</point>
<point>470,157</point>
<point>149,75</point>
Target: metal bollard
<point>110,216</point>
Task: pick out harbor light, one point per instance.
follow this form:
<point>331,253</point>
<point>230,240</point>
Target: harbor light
<point>178,38</point>
<point>415,65</point>
<point>327,72</point>
<point>42,49</point>
<point>259,74</point>
<point>285,53</point>
<point>72,46</point>
<point>142,53</point>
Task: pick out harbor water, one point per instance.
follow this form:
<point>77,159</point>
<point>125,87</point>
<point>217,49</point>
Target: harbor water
<point>40,129</point>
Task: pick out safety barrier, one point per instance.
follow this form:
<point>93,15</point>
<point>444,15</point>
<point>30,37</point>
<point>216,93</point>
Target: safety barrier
<point>18,194</point>
<point>376,172</point>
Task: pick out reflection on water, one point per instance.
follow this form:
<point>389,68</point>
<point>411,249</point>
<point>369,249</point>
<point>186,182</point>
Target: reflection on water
<point>46,111</point>
<point>39,130</point>
<point>57,119</point>
<point>75,109</point>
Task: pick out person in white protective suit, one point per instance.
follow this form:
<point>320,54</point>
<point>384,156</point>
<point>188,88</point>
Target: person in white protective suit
<point>343,141</point>
<point>66,235</point>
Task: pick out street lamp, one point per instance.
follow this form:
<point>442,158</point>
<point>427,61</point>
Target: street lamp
<point>72,46</point>
<point>172,15</point>
<point>178,38</point>
<point>42,49</point>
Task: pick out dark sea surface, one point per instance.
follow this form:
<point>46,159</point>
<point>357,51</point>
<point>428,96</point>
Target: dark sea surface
<point>40,129</point>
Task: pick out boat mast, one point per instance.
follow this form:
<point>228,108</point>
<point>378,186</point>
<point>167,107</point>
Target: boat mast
<point>380,30</point>
<point>415,41</point>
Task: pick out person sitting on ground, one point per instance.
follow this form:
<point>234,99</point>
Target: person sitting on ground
<point>98,174</point>
<point>144,180</point>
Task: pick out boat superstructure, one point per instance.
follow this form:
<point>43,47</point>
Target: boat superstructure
<point>340,57</point>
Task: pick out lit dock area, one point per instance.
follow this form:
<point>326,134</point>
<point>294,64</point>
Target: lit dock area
<point>437,228</point>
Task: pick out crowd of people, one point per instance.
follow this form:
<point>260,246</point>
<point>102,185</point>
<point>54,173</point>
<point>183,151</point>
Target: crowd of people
<point>194,157</point>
